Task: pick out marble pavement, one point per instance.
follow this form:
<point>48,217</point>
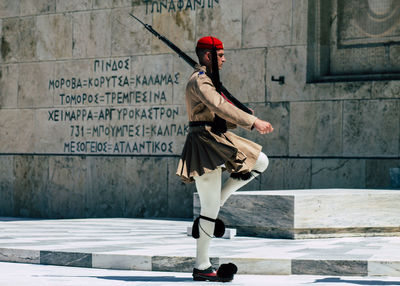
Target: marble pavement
<point>163,245</point>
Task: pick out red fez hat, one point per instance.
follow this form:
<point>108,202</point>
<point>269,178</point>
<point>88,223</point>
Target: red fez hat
<point>209,43</point>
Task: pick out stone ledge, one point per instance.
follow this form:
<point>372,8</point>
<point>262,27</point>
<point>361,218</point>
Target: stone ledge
<point>316,213</point>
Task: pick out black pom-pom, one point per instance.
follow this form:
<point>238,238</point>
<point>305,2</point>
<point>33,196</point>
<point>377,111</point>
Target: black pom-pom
<point>227,270</point>
<point>241,176</point>
<point>219,229</point>
<point>195,229</point>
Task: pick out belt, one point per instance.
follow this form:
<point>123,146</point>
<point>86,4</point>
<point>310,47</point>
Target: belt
<point>200,123</point>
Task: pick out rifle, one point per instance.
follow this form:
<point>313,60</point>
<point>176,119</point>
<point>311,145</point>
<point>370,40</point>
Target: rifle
<point>219,125</point>
<point>193,63</point>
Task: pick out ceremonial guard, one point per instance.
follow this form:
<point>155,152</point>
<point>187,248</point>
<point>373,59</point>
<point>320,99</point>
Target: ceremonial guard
<point>210,149</point>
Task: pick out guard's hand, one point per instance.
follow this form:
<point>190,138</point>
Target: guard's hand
<point>263,127</point>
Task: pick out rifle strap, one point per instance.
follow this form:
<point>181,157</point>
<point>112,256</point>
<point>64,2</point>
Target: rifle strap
<point>219,125</point>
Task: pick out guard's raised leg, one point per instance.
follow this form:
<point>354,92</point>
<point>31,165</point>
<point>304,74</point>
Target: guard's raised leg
<point>232,184</point>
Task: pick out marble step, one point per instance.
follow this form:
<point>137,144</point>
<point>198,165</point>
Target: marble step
<point>246,265</point>
<point>163,245</point>
<point>314,213</point>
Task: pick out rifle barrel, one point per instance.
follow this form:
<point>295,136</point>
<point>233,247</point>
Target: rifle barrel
<point>137,19</point>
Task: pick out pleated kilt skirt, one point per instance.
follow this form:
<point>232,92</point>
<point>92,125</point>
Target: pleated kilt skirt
<point>204,151</point>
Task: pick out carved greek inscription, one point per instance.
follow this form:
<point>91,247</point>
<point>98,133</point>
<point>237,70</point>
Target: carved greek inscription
<point>159,6</point>
<point>114,110</point>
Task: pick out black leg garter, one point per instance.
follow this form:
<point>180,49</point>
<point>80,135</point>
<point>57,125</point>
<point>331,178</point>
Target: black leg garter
<point>244,176</point>
<point>219,229</point>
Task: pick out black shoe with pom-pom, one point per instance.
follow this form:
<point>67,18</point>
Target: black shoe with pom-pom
<point>224,273</point>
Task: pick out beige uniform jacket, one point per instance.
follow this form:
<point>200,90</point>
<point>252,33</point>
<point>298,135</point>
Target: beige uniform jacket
<point>203,101</point>
<point>204,150</point>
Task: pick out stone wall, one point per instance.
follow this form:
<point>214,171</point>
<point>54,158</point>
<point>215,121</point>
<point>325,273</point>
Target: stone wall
<point>92,114</point>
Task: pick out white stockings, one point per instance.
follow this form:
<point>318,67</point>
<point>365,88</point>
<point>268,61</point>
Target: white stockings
<point>232,185</point>
<point>209,188</point>
<point>211,198</point>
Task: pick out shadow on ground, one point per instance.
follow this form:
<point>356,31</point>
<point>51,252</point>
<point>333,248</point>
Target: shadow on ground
<point>147,278</point>
<point>357,282</point>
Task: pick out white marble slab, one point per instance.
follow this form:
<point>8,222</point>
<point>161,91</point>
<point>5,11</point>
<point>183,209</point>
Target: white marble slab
<point>384,268</point>
<point>260,266</point>
<point>345,208</point>
<point>120,261</point>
